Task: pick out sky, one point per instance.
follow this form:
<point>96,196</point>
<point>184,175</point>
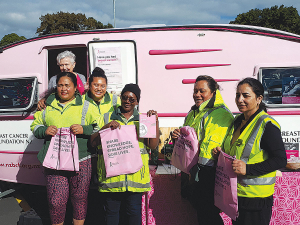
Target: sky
<point>22,16</point>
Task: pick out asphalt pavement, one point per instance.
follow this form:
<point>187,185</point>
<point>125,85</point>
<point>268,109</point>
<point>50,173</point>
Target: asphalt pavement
<point>9,211</point>
<point>35,197</point>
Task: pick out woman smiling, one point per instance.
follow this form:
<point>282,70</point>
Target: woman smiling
<point>210,118</point>
<point>255,139</point>
<point>65,109</point>
<point>126,189</point>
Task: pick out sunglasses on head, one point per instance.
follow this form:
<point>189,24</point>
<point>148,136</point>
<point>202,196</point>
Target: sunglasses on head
<point>131,100</point>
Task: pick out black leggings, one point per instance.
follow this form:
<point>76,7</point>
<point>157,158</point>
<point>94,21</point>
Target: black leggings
<point>207,212</point>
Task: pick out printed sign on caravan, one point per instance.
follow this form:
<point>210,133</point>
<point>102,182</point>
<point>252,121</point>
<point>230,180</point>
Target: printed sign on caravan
<point>290,133</point>
<point>18,153</point>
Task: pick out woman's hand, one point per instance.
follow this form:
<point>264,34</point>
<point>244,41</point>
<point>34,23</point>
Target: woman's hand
<point>152,112</point>
<point>176,134</point>
<point>51,130</point>
<point>216,152</point>
<point>113,125</point>
<point>41,104</point>
<point>76,129</point>
<point>239,167</point>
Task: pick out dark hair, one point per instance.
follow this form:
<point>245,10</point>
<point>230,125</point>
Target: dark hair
<point>67,74</point>
<point>97,72</point>
<point>212,84</point>
<point>257,88</point>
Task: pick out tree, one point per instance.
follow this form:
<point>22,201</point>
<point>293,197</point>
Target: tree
<point>11,38</point>
<point>65,22</point>
<point>280,18</point>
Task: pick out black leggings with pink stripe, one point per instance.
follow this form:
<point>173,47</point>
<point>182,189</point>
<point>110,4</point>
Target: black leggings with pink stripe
<point>61,184</point>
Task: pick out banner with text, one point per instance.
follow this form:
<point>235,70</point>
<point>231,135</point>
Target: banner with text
<point>121,150</point>
<point>62,153</point>
<point>109,59</point>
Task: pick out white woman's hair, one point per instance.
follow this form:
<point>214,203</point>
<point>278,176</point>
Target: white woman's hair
<point>65,54</point>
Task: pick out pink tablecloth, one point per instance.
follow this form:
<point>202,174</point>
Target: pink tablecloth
<point>286,208</point>
<point>164,206</point>
<point>164,203</point>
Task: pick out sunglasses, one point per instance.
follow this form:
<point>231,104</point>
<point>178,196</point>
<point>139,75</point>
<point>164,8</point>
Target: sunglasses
<point>131,100</point>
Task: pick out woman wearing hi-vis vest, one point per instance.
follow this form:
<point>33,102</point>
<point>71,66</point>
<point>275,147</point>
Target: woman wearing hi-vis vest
<point>125,190</point>
<point>255,139</point>
<point>65,108</point>
<point>210,118</point>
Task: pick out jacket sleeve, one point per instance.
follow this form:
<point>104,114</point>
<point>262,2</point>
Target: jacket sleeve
<point>89,129</point>
<point>38,127</point>
<point>215,130</point>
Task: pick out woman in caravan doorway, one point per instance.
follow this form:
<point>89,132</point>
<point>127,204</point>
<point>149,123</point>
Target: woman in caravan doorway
<point>66,62</point>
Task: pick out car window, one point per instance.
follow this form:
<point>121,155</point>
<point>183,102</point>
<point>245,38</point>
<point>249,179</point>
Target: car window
<point>18,94</point>
<point>282,85</point>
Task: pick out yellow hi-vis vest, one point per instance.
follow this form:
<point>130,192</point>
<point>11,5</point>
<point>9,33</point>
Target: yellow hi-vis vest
<point>74,112</point>
<point>211,125</point>
<point>108,103</point>
<point>247,148</point>
<point>135,182</point>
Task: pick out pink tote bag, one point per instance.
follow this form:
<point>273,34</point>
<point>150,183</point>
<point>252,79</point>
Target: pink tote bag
<point>226,186</point>
<point>62,153</point>
<point>121,150</point>
<point>184,155</point>
<point>147,126</point>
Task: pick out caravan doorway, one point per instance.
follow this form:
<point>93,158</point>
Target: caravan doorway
<point>81,60</point>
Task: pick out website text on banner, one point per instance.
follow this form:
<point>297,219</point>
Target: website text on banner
<point>121,150</point>
<point>226,186</point>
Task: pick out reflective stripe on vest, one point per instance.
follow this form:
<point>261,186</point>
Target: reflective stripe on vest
<point>248,147</point>
<point>123,183</point>
<point>202,160</point>
<point>256,181</point>
<point>85,108</point>
<point>246,154</point>
<point>206,161</point>
<point>44,116</point>
<point>114,101</point>
<point>106,118</point>
<point>36,127</point>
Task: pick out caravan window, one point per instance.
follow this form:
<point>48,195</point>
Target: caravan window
<point>282,86</point>
<point>18,94</point>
